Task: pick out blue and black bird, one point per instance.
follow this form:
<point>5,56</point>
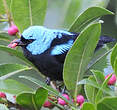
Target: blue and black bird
<point>47,48</point>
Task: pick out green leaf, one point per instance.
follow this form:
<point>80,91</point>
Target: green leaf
<point>16,53</point>
<point>45,86</point>
<point>94,84</point>
<point>114,56</point>
<point>107,103</point>
<point>99,94</point>
<point>79,56</point>
<point>2,8</point>
<point>99,76</point>
<point>87,17</point>
<point>33,101</point>
<point>115,66</point>
<point>90,91</point>
<point>13,87</point>
<point>28,12</point>
<point>3,107</point>
<point>88,106</point>
<point>4,37</point>
<point>72,10</point>
<point>7,70</point>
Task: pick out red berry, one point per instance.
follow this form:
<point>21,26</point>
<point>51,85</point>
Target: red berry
<point>61,101</point>
<point>13,30</point>
<point>80,99</point>
<point>112,80</point>
<point>47,104</point>
<point>2,95</point>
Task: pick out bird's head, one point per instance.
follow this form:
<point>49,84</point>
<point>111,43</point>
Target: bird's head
<point>36,39</point>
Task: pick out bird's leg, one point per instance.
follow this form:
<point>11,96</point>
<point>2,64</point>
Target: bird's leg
<point>54,86</point>
<point>48,81</point>
<point>51,83</point>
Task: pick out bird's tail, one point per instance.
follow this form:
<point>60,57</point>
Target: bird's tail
<point>103,40</point>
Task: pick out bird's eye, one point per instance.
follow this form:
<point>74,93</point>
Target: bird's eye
<point>30,36</point>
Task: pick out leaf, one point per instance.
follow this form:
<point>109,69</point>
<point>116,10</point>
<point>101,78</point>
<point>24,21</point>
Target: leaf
<point>115,66</point>
<point>94,84</point>
<point>28,12</point>
<point>45,86</point>
<point>4,37</point>
<point>99,76</point>
<point>87,17</point>
<point>107,103</point>
<point>7,70</point>
<point>33,101</point>
<point>90,91</point>
<point>2,9</point>
<point>13,87</point>
<point>72,10</point>
<point>88,106</point>
<point>3,107</point>
<point>114,56</point>
<point>79,56</point>
<point>16,53</point>
<point>99,94</point>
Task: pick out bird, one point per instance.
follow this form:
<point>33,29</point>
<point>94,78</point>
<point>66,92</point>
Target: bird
<point>47,48</point>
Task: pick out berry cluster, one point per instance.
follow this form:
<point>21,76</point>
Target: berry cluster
<point>79,100</point>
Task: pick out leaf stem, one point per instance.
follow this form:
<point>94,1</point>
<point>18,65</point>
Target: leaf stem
<point>30,12</point>
<point>7,12</point>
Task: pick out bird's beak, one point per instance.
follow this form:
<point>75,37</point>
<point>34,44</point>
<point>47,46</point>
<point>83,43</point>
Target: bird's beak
<point>19,42</point>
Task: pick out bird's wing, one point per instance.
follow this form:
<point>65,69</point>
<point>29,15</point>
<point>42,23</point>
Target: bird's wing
<point>63,44</point>
<point>62,48</point>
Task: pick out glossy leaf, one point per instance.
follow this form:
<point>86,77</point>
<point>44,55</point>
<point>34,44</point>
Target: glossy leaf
<point>73,8</point>
<point>87,17</point>
<point>107,103</point>
<point>3,107</point>
<point>94,84</point>
<point>79,56</point>
<point>99,76</point>
<point>99,94</point>
<point>90,91</point>
<point>88,106</point>
<point>7,70</point>
<point>33,101</point>
<point>15,53</point>
<point>28,12</point>
<point>13,87</point>
<point>45,86</point>
<point>4,37</point>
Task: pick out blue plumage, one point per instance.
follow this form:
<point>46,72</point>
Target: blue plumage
<point>43,38</point>
<point>47,48</point>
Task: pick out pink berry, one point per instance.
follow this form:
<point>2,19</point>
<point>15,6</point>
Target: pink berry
<point>112,80</point>
<point>47,104</point>
<point>12,45</point>
<point>61,101</point>
<point>2,95</point>
<point>13,30</point>
<point>80,99</point>
<point>81,105</point>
